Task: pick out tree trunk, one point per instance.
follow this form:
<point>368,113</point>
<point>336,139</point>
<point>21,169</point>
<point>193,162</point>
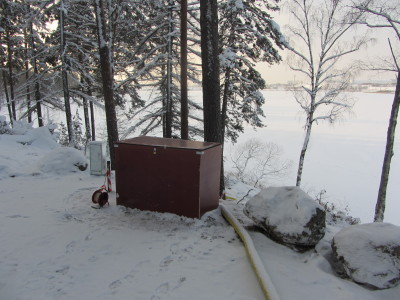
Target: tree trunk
<point>38,96</point>
<point>184,87</point>
<point>10,73</point>
<point>223,126</point>
<point>168,116</point>
<point>163,92</point>
<point>87,120</point>
<point>303,150</point>
<point>86,115</point>
<point>107,79</point>
<point>381,201</point>
<point>91,108</point>
<point>210,71</point>
<point>28,91</point>
<point>210,75</point>
<point>7,98</point>
<point>11,101</point>
<point>64,74</point>
<point>92,120</point>
<point>225,103</point>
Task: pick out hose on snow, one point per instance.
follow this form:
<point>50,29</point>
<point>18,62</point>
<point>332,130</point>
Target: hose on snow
<point>265,281</point>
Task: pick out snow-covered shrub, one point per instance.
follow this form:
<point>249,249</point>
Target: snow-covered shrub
<point>20,127</point>
<point>80,140</point>
<point>63,135</point>
<point>256,163</point>
<point>4,128</point>
<point>335,214</point>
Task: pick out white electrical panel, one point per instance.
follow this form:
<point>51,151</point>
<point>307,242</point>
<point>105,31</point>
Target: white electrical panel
<point>98,165</point>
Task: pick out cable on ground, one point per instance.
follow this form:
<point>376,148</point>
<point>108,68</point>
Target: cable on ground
<point>265,281</point>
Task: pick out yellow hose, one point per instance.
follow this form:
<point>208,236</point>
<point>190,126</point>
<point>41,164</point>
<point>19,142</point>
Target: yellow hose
<point>267,286</point>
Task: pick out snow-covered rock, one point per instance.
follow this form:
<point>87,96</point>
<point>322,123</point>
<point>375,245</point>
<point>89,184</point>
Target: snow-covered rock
<point>288,215</point>
<point>368,254</point>
<point>63,160</point>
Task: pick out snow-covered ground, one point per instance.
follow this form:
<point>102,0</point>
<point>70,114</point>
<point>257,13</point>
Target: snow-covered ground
<point>53,245</point>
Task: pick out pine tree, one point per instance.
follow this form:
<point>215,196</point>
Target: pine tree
<point>40,59</point>
<point>210,70</point>
<point>106,68</point>
<point>157,65</point>
<point>247,35</point>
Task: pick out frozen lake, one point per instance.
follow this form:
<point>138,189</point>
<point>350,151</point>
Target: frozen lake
<point>344,159</point>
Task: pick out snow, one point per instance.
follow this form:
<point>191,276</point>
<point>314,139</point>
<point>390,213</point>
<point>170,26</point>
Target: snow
<point>307,275</point>
<point>236,5</point>
<point>287,209</point>
<point>344,159</point>
<point>227,58</point>
<point>262,275</point>
<point>53,245</point>
<point>369,250</point>
<point>63,161</point>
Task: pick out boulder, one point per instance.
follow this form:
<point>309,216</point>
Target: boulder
<point>288,215</point>
<point>368,254</point>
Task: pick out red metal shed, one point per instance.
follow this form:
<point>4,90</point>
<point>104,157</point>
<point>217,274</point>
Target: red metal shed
<point>168,175</point>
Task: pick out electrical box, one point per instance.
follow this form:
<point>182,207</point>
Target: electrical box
<point>98,165</point>
<point>168,175</point>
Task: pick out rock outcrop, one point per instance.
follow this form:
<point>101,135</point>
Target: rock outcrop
<point>368,254</point>
<point>288,215</point>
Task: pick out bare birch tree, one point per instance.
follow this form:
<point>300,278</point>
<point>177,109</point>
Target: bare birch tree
<point>385,14</point>
<point>318,46</point>
<point>258,164</point>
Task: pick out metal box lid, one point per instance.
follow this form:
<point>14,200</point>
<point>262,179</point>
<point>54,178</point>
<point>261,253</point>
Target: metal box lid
<point>169,143</point>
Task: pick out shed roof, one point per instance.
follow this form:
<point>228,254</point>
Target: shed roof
<point>169,143</point>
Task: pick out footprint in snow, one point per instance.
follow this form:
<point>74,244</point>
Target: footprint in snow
<point>166,262</point>
<point>70,247</point>
<point>160,290</point>
<point>63,270</point>
<point>115,284</point>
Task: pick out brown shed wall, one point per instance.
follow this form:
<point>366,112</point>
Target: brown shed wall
<point>166,175</point>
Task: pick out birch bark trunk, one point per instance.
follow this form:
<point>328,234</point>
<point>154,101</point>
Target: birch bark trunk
<point>303,154</point>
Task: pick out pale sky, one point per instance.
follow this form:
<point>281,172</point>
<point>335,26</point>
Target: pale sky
<point>281,73</point>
